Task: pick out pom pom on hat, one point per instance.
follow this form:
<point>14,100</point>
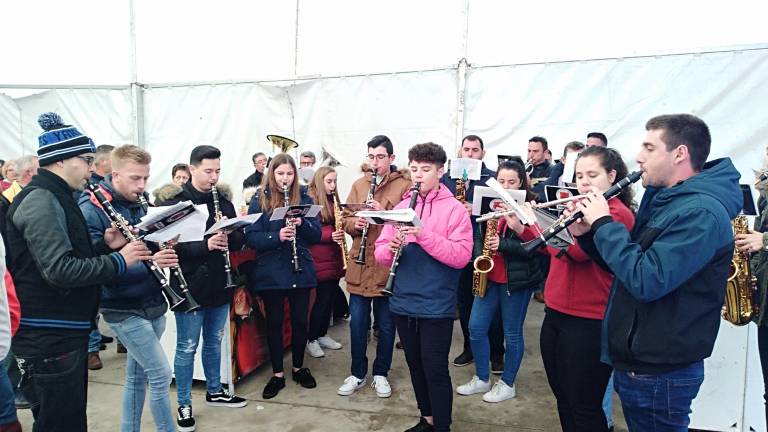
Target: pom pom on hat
<point>50,120</point>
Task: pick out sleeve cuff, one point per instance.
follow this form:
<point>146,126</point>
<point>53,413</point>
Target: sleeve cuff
<point>600,222</point>
<point>119,262</point>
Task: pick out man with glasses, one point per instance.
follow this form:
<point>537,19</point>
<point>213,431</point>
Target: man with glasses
<point>58,271</point>
<point>365,281</point>
<point>259,163</point>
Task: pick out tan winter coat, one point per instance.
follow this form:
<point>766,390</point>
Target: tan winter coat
<point>367,280</point>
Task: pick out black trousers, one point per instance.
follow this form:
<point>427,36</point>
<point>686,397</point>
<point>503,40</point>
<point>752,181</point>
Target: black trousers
<point>340,304</point>
<point>465,299</point>
<point>427,343</point>
<point>298,298</point>
<point>570,348</point>
<point>762,345</point>
<point>321,311</point>
<point>57,387</point>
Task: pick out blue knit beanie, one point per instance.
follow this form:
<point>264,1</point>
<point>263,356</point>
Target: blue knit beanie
<point>60,141</point>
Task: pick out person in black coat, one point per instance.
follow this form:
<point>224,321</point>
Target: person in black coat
<point>274,276</point>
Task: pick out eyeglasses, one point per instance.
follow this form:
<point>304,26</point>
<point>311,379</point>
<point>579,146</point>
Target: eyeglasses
<point>87,159</point>
<point>378,156</point>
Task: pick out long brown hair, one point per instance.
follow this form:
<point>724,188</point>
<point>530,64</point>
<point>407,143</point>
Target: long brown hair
<point>319,194</point>
<point>611,160</point>
<point>275,197</point>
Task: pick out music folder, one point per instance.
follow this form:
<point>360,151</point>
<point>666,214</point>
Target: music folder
<point>233,224</point>
<point>749,209</point>
<point>295,211</point>
<point>183,219</point>
<point>406,217</point>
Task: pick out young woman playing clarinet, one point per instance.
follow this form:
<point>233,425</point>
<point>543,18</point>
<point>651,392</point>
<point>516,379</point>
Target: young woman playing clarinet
<point>328,259</point>
<point>283,268</point>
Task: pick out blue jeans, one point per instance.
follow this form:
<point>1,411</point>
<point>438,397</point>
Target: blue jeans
<point>146,361</point>
<point>360,323</point>
<point>514,307</point>
<point>94,339</point>
<point>7,395</point>
<point>659,403</point>
<point>188,326</point>
<point>608,402</point>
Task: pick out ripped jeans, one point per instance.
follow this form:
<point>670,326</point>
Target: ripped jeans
<point>188,325</point>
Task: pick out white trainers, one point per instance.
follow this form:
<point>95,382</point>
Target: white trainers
<point>328,343</point>
<point>313,348</point>
<point>381,385</point>
<point>500,392</point>
<point>473,387</point>
<point>351,384</point>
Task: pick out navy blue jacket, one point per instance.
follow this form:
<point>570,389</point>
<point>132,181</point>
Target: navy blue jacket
<point>136,288</point>
<point>273,268</point>
<point>670,271</point>
<point>450,183</point>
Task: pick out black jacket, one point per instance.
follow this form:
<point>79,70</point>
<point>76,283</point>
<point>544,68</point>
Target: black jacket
<point>202,268</point>
<point>56,268</point>
<point>523,269</point>
<point>253,180</point>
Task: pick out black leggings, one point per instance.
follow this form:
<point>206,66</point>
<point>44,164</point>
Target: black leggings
<point>427,343</point>
<point>762,345</point>
<point>298,298</point>
<point>570,348</point>
<point>321,311</point>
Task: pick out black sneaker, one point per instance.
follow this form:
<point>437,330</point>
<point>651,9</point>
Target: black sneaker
<point>399,345</point>
<point>106,339</point>
<point>463,359</point>
<point>497,366</point>
<point>184,420</point>
<point>273,387</point>
<point>304,378</point>
<point>223,398</point>
<point>421,426</point>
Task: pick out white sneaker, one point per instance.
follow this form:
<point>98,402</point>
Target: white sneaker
<point>313,348</point>
<point>381,385</point>
<point>328,343</point>
<point>500,392</point>
<point>351,384</point>
<point>473,387</point>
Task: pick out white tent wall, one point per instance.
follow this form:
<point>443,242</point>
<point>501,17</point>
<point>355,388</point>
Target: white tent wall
<point>10,128</point>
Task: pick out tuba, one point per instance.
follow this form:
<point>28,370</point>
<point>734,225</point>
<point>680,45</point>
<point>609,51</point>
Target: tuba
<point>741,287</point>
<point>283,143</point>
<point>484,263</point>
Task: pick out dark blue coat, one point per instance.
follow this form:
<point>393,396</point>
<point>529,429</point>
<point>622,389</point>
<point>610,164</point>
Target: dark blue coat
<point>273,268</point>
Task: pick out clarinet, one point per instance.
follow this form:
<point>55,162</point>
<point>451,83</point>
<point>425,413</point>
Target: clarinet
<point>364,239</point>
<point>295,257</point>
<point>175,270</point>
<point>217,216</point>
<point>174,299</point>
<point>389,288</point>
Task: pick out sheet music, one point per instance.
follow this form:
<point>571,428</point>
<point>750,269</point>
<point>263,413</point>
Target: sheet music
<point>234,223</point>
<point>185,220</point>
<point>303,210</point>
<point>472,166</point>
<point>504,195</point>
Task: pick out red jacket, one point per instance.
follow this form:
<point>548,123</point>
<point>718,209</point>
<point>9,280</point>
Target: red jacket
<point>576,285</point>
<point>327,255</point>
<point>13,302</point>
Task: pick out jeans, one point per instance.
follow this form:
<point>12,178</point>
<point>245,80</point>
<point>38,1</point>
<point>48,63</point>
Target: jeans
<point>7,395</point>
<point>146,361</point>
<point>94,338</point>
<point>514,307</point>
<point>211,321</point>
<point>360,323</point>
<point>570,349</point>
<point>464,302</point>
<point>274,305</point>
<point>427,343</point>
<point>660,402</point>
<point>56,385</point>
<point>608,402</point>
<point>321,311</point>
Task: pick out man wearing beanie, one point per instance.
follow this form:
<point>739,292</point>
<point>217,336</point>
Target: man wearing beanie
<point>57,270</point>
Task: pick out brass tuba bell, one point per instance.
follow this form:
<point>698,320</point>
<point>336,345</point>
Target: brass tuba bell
<point>283,143</point>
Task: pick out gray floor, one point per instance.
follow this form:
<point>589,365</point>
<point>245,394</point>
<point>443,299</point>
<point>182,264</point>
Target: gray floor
<point>298,410</point>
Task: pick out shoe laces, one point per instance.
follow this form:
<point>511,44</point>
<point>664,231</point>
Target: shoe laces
<point>379,380</point>
<point>224,391</point>
<point>351,380</point>
<point>186,411</point>
<point>498,387</point>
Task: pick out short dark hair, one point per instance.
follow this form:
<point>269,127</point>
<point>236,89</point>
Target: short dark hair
<point>179,167</point>
<point>203,152</point>
<point>598,135</point>
<point>255,155</point>
<point>541,140</point>
<point>309,154</point>
<point>474,138</point>
<point>687,130</point>
<point>427,152</point>
<point>104,148</point>
<point>573,145</point>
<point>381,141</point>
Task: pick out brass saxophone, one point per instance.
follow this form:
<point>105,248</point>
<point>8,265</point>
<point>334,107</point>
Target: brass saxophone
<point>741,287</point>
<point>461,188</point>
<point>484,263</point>
<point>339,223</point>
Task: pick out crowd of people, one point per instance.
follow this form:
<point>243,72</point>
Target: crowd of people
<point>632,305</point>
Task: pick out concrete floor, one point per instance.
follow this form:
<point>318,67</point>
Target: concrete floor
<point>297,409</point>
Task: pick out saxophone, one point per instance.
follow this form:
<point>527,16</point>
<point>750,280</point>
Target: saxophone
<point>741,287</point>
<point>339,224</point>
<point>461,188</point>
<point>484,263</point>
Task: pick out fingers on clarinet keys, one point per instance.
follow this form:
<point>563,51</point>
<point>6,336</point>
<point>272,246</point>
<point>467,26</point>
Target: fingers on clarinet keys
<point>135,252</point>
